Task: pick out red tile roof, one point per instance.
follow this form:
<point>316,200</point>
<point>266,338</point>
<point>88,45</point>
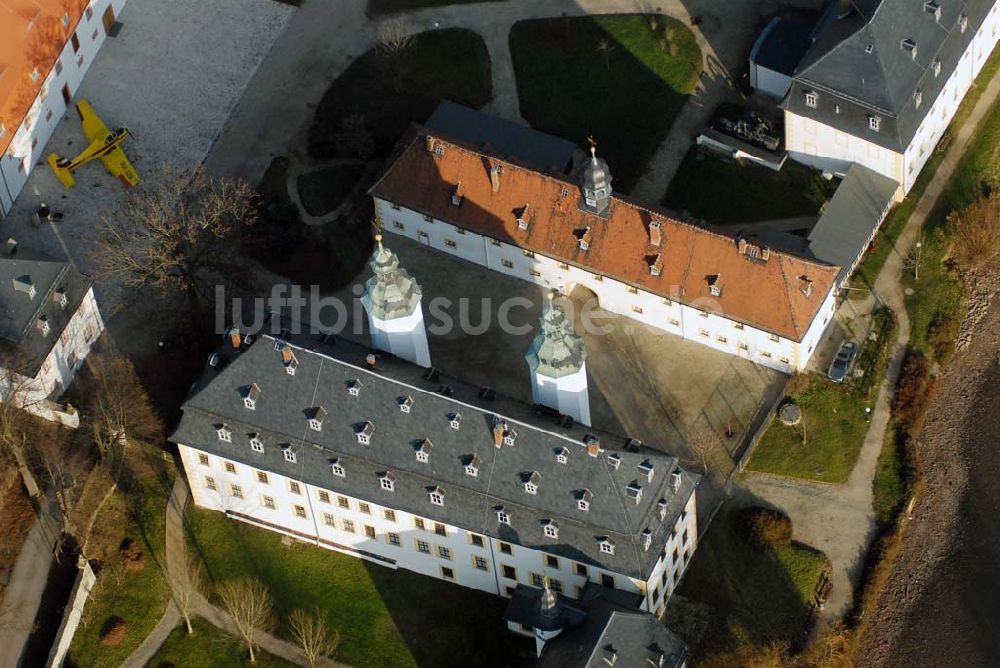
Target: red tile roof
<point>32,35</point>
<point>763,293</point>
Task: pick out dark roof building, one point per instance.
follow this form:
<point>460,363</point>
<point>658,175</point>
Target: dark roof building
<point>884,59</point>
<point>524,464</point>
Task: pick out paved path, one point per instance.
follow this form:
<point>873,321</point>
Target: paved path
<point>839,519</point>
<point>23,596</point>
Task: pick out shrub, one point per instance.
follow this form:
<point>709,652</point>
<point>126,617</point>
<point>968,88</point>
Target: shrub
<point>975,231</point>
<point>113,631</point>
<point>941,334</point>
<point>764,528</point>
<point>797,384</point>
<point>912,390</point>
<point>132,557</point>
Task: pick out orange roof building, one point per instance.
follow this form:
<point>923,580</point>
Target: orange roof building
<point>642,261</point>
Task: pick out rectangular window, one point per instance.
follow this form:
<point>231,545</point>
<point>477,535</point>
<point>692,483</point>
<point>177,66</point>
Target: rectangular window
<point>741,346</point>
<point>294,487</point>
<point>348,526</point>
<point>507,263</point>
<point>447,573</point>
<point>398,225</point>
<point>236,491</point>
<point>300,511</point>
<point>528,253</point>
<point>766,354</point>
<point>783,360</point>
<point>328,520</point>
<point>674,322</point>
<point>343,502</point>
<point>324,496</point>
<point>580,570</point>
<point>370,532</point>
<point>703,332</point>
<point>495,242</point>
<point>269,503</point>
<point>563,265</point>
<point>551,561</point>
<point>773,337</point>
<point>395,207</point>
<point>608,580</point>
<point>364,508</point>
<point>873,122</point>
<point>428,219</point>
<point>509,572</point>
<point>423,547</point>
<point>419,523</point>
<point>557,585</point>
<point>210,483</point>
<point>392,538</point>
<point>389,515</point>
<point>444,552</point>
<point>203,459</point>
<point>737,325</point>
<point>636,309</point>
<point>59,67</point>
<point>450,244</point>
<point>476,539</point>
<point>479,563</point>
<point>75,41</point>
<point>506,549</point>
<point>439,529</point>
<point>537,580</point>
<point>230,467</point>
<point>459,230</point>
<point>632,290</point>
<point>811,99</point>
<point>262,477</point>
<point>721,339</point>
<point>536,274</point>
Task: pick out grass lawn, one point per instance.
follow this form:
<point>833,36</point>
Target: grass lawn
<point>889,483</point>
<point>142,596</point>
<point>208,647</point>
<point>736,191</point>
<point>329,256</point>
<point>324,190</point>
<point>385,617</point>
<point>391,6</point>
<point>835,429</point>
<point>757,597</point>
<point>389,92</point>
<point>626,97</point>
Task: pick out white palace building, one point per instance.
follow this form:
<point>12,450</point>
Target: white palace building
<point>721,290</point>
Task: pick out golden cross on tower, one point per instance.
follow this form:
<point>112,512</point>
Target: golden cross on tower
<point>593,146</point>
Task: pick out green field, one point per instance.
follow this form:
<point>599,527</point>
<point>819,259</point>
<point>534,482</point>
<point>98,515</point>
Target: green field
<point>606,77</point>
<point>385,617</point>
<point>208,647</point>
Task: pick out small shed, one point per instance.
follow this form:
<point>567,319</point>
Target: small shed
<point>775,55</point>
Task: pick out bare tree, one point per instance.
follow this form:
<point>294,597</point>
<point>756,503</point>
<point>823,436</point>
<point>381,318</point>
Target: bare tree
<point>177,233</point>
<point>393,37</point>
<point>310,631</point>
<point>119,409</point>
<point>248,602</point>
<point>708,450</point>
<point>186,584</point>
<point>604,46</point>
<point>975,232</point>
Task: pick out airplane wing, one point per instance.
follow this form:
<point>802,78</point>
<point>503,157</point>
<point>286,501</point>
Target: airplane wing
<point>116,163</point>
<point>93,127</point>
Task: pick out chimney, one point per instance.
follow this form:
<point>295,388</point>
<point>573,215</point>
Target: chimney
<point>286,356</point>
<point>655,233</point>
<point>593,445</point>
<point>26,285</point>
<point>495,172</point>
<point>499,427</point>
<point>234,337</point>
<point>522,218</point>
<point>457,195</point>
<point>370,360</point>
<point>656,265</point>
<point>11,246</point>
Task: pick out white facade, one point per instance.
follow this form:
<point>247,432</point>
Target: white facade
<point>567,394</point>
<point>405,337</point>
<point>63,361</point>
<point>664,314</point>
<point>27,149</point>
<point>833,150</point>
<point>396,539</point>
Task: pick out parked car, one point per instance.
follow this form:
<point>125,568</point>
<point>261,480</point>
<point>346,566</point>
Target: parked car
<point>842,362</point>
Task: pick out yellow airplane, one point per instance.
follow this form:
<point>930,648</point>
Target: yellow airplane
<point>104,144</point>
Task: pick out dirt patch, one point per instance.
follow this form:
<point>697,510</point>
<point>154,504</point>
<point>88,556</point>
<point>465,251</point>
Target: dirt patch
<point>941,601</point>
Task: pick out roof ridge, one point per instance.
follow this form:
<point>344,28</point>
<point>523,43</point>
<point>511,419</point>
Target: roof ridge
<point>788,296</point>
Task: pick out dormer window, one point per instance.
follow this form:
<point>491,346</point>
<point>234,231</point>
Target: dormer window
<point>364,433</point>
<point>288,359</point>
<point>225,434</point>
<point>438,149</point>
<point>550,528</point>
<point>562,455</point>
<point>934,9</point>
<point>405,404</point>
<point>607,545</point>
<point>918,98</point>
<point>43,325</point>
<point>715,285</point>
<point>316,417</point>
<point>661,507</point>
<point>522,218</point>
<point>455,420</point>
<point>614,460</point>
<point>508,437</point>
<point>456,195</point>
<point>869,47</point>
<point>936,67</point>
<point>811,99</point>
<point>646,469</point>
<point>26,285</point>
<point>423,450</point>
<point>354,388</point>
<point>471,465</point>
<point>531,481</point>
<point>910,47</point>
<point>656,266</point>
<point>289,454</point>
<point>634,490</point>
<point>963,23</point>
<point>388,481</point>
<point>874,122</point>
<point>583,498</point>
<point>436,495</point>
<point>647,539</point>
<point>250,394</point>
<point>61,298</point>
<point>256,444</point>
<point>337,468</point>
<point>503,517</point>
<point>676,478</point>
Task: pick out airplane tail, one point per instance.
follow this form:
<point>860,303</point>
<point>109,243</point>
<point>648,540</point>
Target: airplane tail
<point>64,175</point>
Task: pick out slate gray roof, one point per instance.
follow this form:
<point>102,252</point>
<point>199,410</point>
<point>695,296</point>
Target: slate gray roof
<point>20,340</point>
<point>841,235</point>
<point>525,607</point>
<point>782,45</point>
<point>322,378</point>
<point>853,83</point>
<point>531,148</point>
<point>631,637</point>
